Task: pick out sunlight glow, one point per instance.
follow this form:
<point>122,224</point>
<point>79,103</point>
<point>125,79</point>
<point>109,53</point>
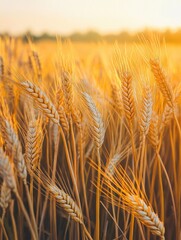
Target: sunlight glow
<point>60,16</point>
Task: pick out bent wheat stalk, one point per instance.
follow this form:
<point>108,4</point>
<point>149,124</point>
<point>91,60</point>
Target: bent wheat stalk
<point>64,200</point>
<point>97,131</point>
<point>132,199</point>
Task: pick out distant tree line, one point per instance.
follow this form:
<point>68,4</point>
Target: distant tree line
<point>93,36</point>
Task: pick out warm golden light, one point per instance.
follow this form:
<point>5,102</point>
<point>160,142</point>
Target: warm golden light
<point>58,16</point>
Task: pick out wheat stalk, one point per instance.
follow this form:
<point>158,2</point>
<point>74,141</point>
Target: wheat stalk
<point>64,200</point>
<point>132,199</point>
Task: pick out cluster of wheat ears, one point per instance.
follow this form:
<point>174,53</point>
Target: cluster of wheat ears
<point>89,145</point>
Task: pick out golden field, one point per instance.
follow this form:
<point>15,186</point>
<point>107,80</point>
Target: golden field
<point>90,138</point>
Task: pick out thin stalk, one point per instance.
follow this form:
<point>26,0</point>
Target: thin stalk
<point>83,180</point>
<point>86,232</point>
<point>3,228</point>
<point>13,221</point>
<point>74,149</point>
<point>142,162</point>
<point>97,228</point>
<point>70,167</point>
<point>25,215</point>
<point>43,214</point>
<point>32,215</point>
<point>169,185</point>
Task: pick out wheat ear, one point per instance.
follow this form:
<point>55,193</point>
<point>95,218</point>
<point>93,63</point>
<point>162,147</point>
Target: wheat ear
<point>127,96</point>
<point>153,133</point>
<point>167,116</point>
<point>162,81</point>
<point>116,96</point>
<point>41,99</point>
<point>61,111</point>
<point>64,200</point>
<point>97,130</point>
<point>146,215</point>
<point>33,144</point>
<point>38,64</point>
<point>6,171</point>
<point>13,147</point>
<point>67,89</point>
<point>146,111</point>
<point>5,196</point>
<point>113,163</point>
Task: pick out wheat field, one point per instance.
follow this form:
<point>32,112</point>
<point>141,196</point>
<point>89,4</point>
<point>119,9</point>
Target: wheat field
<point>90,140</point>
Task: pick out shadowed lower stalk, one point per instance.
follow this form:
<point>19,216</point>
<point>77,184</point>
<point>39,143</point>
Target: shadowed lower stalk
<point>3,229</point>
<point>32,215</point>
<point>53,202</point>
<point>13,221</point>
<point>74,149</point>
<point>178,187</point>
<point>97,229</point>
<point>25,215</point>
<point>83,179</point>
<point>70,166</point>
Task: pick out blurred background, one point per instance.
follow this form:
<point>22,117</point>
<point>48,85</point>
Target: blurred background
<point>91,20</point>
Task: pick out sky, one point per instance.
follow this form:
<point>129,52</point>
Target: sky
<point>105,16</point>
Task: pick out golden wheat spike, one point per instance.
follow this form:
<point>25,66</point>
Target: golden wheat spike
<point>66,202</point>
<point>146,215</point>
<point>60,105</point>
<point>162,81</point>
<point>116,96</point>
<point>37,63</point>
<point>113,163</point>
<point>153,133</point>
<point>97,130</point>
<point>13,147</point>
<point>5,196</point>
<point>127,96</point>
<point>68,92</point>
<point>33,144</point>
<point>6,171</point>
<point>146,110</point>
<point>41,99</point>
<point>167,116</point>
